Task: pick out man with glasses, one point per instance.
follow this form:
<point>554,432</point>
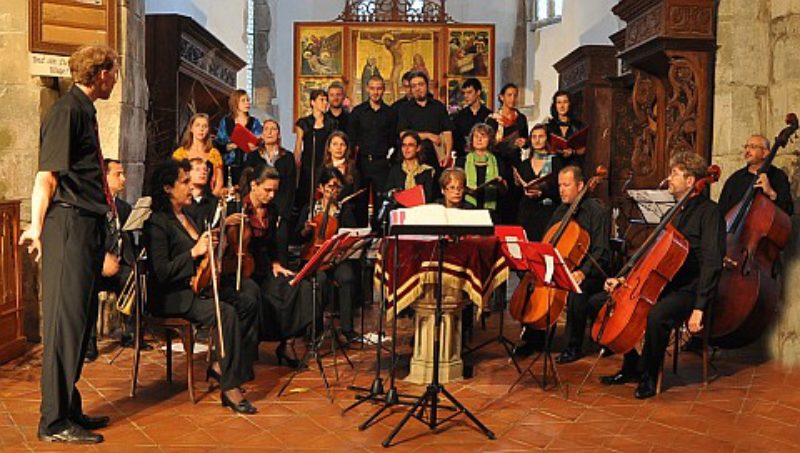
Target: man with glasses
<point>774,183</point>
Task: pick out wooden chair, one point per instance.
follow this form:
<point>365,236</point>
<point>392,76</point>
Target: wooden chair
<point>676,347</point>
<point>171,327</point>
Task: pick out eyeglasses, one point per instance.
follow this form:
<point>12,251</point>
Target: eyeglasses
<point>454,188</point>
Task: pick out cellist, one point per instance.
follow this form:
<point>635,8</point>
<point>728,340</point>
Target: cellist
<point>595,218</point>
<point>774,183</point>
<point>692,288</point>
<point>175,246</point>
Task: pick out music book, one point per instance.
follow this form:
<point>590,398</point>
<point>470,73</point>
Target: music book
<point>436,214</point>
<point>578,140</point>
<point>541,183</point>
<point>653,204</point>
<point>511,238</point>
<point>409,198</point>
<point>242,137</point>
<point>549,267</point>
<point>491,182</point>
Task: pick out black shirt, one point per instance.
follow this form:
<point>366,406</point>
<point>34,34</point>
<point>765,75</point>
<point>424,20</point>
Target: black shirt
<point>70,148</point>
<point>432,117</point>
<point>397,180</point>
<point>595,218</point>
<point>342,121</point>
<point>463,121</point>
<point>372,131</point>
<point>553,127</point>
<point>202,210</point>
<point>736,185</point>
<point>506,149</point>
<point>701,223</point>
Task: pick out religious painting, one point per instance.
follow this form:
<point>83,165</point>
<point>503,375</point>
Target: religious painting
<point>469,51</point>
<point>320,51</point>
<point>390,52</point>
<point>455,98</point>
<point>305,87</point>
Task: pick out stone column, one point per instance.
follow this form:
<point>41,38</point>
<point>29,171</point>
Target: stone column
<point>451,367</point>
<point>263,78</point>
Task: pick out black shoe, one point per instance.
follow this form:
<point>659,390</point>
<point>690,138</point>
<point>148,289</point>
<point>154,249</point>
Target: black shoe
<point>126,340</point>
<point>623,376</point>
<point>351,336</point>
<point>526,348</point>
<point>87,422</point>
<point>91,354</point>
<point>242,407</point>
<point>646,388</point>
<point>211,373</point>
<point>280,353</point>
<point>72,435</point>
<point>569,356</point>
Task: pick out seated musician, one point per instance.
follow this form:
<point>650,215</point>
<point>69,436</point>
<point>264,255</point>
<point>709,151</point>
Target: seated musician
<point>595,218</point>
<point>176,246</point>
<point>688,294</point>
<point>774,183</point>
<point>453,182</point>
<point>311,232</point>
<point>481,166</point>
<point>411,172</point>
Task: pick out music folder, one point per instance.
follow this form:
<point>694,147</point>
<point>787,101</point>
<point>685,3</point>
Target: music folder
<point>242,137</point>
<point>578,140</point>
<point>435,219</point>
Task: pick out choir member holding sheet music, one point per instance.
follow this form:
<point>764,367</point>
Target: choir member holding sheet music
<point>563,125</point>
<point>537,178</point>
<point>410,172</point>
<point>484,171</point>
<point>239,113</point>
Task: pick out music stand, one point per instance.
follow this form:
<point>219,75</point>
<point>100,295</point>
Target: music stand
<point>319,261</point>
<point>549,268</point>
<point>509,236</point>
<point>430,398</point>
<point>139,215</point>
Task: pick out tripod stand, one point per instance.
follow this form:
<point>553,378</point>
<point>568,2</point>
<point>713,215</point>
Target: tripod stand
<point>430,399</point>
<point>548,364</point>
<point>507,344</point>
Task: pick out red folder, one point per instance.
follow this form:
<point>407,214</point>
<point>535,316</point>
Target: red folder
<point>409,198</point>
<point>512,238</point>
<point>242,137</point>
<point>548,266</point>
<point>578,140</point>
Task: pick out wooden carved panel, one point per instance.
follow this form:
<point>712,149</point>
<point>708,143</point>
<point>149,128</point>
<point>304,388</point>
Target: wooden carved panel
<point>12,341</point>
<point>645,97</point>
<point>690,20</point>
<point>644,27</point>
<point>681,107</point>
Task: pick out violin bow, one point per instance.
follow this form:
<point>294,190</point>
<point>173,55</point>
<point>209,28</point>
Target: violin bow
<point>215,288</point>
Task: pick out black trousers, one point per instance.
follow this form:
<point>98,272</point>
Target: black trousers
<point>71,262</point>
<point>345,277</point>
<point>114,284</point>
<point>579,310</point>
<point>373,176</point>
<point>672,308</point>
<point>239,330</point>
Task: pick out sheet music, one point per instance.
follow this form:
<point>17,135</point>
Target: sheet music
<point>653,204</point>
<point>435,214</point>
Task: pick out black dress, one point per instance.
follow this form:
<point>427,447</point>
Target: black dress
<point>313,140</point>
<point>534,213</point>
<point>553,127</point>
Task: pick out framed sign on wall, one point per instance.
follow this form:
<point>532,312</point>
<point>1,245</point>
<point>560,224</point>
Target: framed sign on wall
<point>61,26</point>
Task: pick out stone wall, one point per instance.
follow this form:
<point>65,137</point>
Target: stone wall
<point>757,83</point>
<point>25,99</point>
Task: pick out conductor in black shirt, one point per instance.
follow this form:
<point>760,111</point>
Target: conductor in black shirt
<point>774,184</point>
<point>694,286</point>
<point>70,208</point>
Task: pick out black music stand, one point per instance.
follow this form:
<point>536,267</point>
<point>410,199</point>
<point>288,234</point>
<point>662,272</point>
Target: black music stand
<point>549,268</point>
<point>321,260</point>
<point>430,398</point>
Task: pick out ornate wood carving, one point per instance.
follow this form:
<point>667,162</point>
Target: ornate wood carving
<point>644,98</point>
<point>681,107</point>
<point>644,27</point>
<point>431,11</point>
<point>691,20</point>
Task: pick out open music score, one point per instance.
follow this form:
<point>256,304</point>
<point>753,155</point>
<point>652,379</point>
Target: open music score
<point>653,204</point>
<point>433,218</point>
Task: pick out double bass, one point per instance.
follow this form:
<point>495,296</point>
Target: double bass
<point>757,232</point>
<point>533,303</point>
<point>622,321</point>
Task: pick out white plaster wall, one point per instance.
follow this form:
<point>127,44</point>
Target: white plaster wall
<point>225,19</point>
<point>583,22</point>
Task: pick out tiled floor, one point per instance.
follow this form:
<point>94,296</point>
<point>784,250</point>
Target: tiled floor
<point>751,406</point>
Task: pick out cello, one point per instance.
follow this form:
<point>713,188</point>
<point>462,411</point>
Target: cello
<point>533,303</point>
<point>621,322</point>
<point>757,232</point>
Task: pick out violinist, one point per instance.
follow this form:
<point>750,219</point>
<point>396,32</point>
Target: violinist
<point>411,172</point>
<point>692,288</point>
<point>176,246</point>
<point>774,183</point>
<point>338,156</point>
<point>595,218</point>
<point>537,204</point>
<point>260,188</point>
<point>318,227</point>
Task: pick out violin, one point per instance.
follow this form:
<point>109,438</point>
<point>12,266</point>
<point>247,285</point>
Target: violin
<point>621,322</point>
<point>535,304</point>
<point>237,258</point>
<point>326,223</point>
<point>757,232</point>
